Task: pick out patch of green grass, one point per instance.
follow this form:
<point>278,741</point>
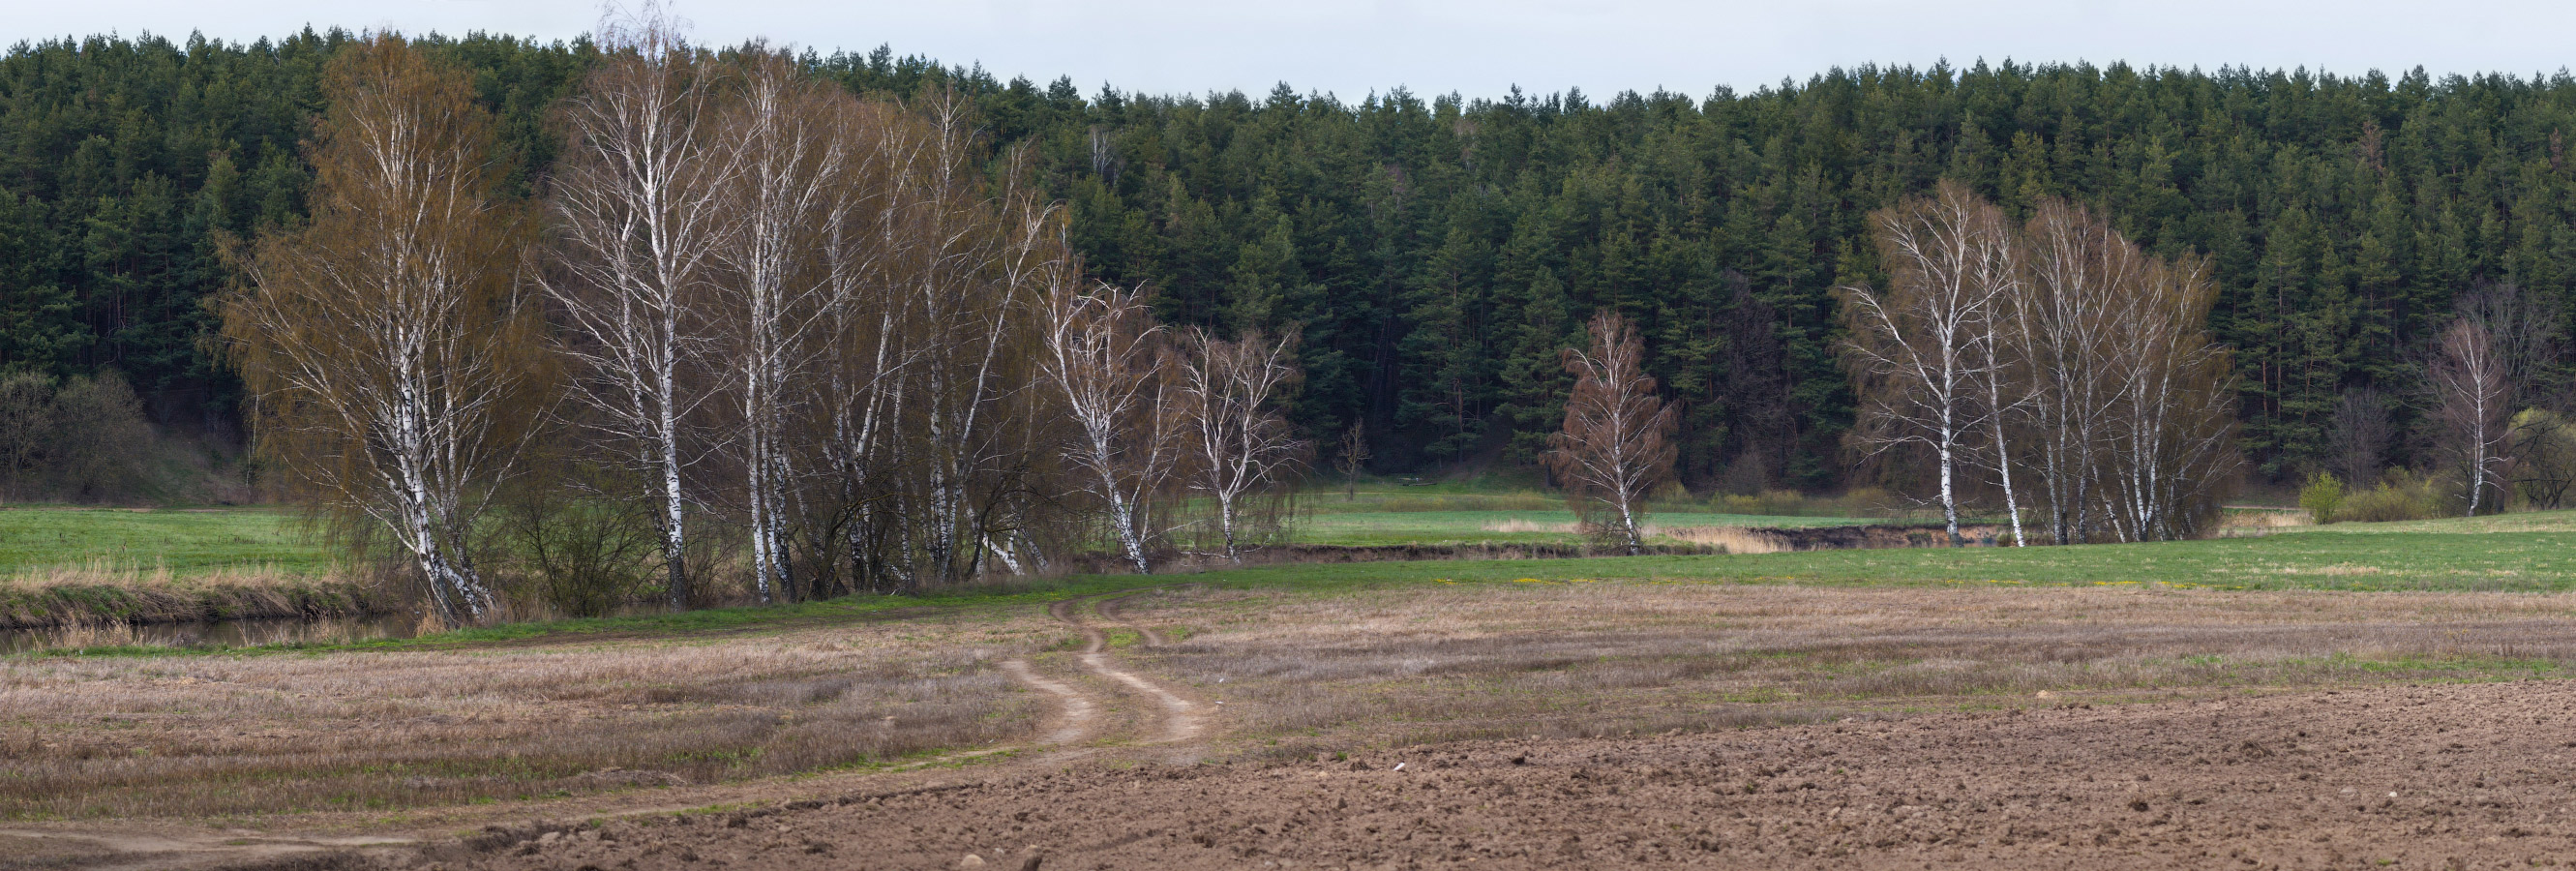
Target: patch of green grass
<point>1476,526</point>
<point>184,541</point>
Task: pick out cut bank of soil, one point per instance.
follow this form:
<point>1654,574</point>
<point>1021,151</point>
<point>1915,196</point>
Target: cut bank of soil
<point>2453,776</point>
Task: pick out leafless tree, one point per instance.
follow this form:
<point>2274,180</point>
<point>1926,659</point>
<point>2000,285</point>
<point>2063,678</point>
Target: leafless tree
<point>1616,444</point>
<point>638,219</point>
<point>984,252</point>
<point>866,355</point>
<point>1354,455</point>
<point>2525,329</point>
<point>385,343</point>
<point>2470,381</point>
<point>1917,347</point>
<point>1238,441</point>
<point>2064,336</point>
<point>2358,439</point>
<point>791,202</point>
<point>2125,402</point>
<point>2170,442</point>
<point>1107,360</point>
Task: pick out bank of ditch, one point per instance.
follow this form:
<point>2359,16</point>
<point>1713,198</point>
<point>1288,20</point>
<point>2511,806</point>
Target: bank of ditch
<point>74,597</point>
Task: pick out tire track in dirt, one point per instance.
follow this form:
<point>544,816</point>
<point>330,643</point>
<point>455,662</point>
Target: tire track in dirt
<point>1182,720</point>
<point>1080,714</point>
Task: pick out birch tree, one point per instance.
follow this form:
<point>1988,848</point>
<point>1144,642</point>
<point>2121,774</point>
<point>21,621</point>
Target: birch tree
<point>986,250</point>
<point>1616,444</point>
<point>1915,346</point>
<point>1105,358</point>
<point>796,142</point>
<point>385,344</point>
<point>1238,441</point>
<point>2170,441</point>
<point>2468,377</point>
<point>866,354</point>
<point>637,203</point>
<point>2127,406</point>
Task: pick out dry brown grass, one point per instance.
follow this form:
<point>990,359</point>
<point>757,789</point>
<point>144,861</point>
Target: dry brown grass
<point>1732,539</point>
<point>242,734</point>
<point>1611,657</point>
<point>1519,525</point>
<point>101,592</point>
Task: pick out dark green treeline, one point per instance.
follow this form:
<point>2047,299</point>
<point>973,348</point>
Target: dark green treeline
<point>1437,253</point>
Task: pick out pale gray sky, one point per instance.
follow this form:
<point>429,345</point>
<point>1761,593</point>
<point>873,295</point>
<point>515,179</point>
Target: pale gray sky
<point>1351,47</point>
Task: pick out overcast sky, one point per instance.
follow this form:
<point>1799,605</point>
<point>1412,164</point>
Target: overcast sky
<point>1479,48</point>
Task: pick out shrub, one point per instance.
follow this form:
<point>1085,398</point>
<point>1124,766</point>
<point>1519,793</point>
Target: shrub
<point>1769,503</point>
<point>2403,495</point>
<point>2322,495</point>
<point>83,439</point>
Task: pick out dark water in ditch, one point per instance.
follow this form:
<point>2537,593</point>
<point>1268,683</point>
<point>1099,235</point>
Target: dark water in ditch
<point>220,633</point>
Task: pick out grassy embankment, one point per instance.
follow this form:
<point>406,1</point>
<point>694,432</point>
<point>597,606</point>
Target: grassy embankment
<point>69,566</point>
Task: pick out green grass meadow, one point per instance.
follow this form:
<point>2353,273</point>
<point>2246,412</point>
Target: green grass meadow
<point>2347,558</point>
<point>185,541</point>
<point>1363,528</point>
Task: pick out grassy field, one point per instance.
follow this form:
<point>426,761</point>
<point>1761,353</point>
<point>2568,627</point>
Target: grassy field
<point>189,542</point>
<point>1358,528</point>
<point>183,541</point>
<point>2344,559</point>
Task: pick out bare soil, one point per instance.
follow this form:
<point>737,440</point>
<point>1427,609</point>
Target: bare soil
<point>2454,776</point>
<point>1572,725</point>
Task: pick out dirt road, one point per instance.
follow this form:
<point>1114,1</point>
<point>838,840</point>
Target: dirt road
<point>2462,776</point>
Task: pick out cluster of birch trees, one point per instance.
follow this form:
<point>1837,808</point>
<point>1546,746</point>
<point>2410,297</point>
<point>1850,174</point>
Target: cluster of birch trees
<point>2067,370</point>
<point>810,341</point>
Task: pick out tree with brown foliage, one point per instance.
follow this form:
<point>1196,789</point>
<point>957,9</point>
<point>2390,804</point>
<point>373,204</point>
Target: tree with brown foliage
<point>385,344</point>
<point>1616,444</point>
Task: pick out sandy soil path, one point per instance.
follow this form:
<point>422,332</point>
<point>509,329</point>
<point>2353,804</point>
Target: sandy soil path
<point>1183,719</point>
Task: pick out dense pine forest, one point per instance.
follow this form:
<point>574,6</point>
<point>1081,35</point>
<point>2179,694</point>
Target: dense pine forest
<point>1436,253</point>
